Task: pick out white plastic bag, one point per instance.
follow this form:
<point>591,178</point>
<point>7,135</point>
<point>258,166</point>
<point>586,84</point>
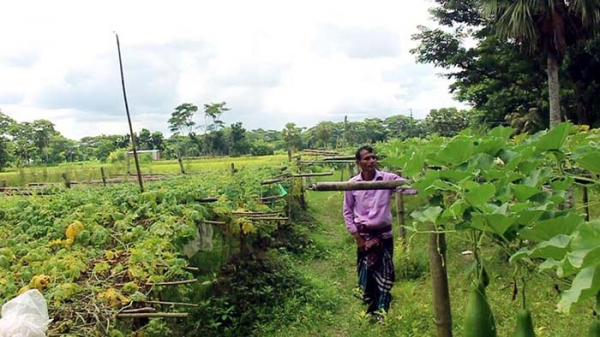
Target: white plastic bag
<point>202,241</point>
<point>25,316</point>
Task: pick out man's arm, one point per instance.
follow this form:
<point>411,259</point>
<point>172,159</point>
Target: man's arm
<point>404,191</point>
<point>349,218</point>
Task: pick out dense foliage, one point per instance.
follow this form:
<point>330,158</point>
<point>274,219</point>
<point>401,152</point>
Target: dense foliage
<point>94,252</point>
<point>512,192</point>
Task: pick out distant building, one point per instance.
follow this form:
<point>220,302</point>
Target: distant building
<point>155,153</point>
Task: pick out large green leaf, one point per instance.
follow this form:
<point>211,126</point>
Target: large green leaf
<point>480,194</point>
<point>394,162</point>
<point>554,139</point>
<point>590,162</point>
<point>585,247</point>
<point>455,211</point>
<point>415,164</point>
<point>490,146</point>
<point>523,192</point>
<point>529,216</point>
<point>454,175</point>
<point>537,177</point>
<point>585,286</point>
<point>555,248</point>
<point>457,151</point>
<point>481,161</point>
<point>429,214</point>
<point>499,223</point>
<point>562,184</point>
<point>547,229</point>
<point>502,132</point>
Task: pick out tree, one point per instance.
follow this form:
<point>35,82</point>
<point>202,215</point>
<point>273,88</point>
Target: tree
<point>157,138</point>
<point>182,118</point>
<point>5,145</point>
<point>493,75</point>
<point>22,137</point>
<point>292,136</point>
<point>447,121</point>
<point>547,27</point>
<point>214,111</point>
<point>43,132</point>
<point>5,123</point>
<point>323,133</point>
<point>144,140</point>
<point>239,143</point>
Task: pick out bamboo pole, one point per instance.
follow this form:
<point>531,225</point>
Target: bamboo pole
<point>182,304</point>
<point>154,314</point>
<point>212,222</point>
<point>326,162</point>
<point>66,179</point>
<point>274,218</point>
<point>171,283</point>
<point>439,280</point>
<point>358,185</point>
<point>103,175</point>
<point>311,174</point>
<point>272,197</point>
<point>135,156</point>
<point>209,199</point>
<point>586,203</point>
<point>400,216</point>
<point>181,168</point>
<point>271,181</point>
<point>131,311</point>
<point>334,158</point>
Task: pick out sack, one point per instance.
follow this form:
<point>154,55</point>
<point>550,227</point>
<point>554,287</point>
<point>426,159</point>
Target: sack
<point>25,316</point>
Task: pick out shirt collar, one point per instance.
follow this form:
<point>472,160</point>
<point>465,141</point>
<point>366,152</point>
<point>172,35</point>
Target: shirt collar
<point>378,176</point>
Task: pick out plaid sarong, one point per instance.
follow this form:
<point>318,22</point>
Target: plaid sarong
<point>376,275</point>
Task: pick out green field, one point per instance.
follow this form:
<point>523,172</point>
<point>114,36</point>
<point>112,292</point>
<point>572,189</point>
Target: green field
<point>91,170</point>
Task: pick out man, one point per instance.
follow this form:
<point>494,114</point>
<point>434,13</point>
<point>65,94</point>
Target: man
<point>369,219</point>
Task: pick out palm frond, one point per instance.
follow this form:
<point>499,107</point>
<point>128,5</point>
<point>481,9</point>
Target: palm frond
<point>588,11</point>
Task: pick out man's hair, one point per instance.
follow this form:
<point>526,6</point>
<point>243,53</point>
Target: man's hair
<point>360,149</point>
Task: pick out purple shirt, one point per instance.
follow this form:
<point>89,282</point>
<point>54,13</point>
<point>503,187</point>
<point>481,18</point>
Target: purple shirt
<point>370,208</point>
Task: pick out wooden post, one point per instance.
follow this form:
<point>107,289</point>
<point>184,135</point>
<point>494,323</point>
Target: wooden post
<point>400,215</point>
<point>135,157</point>
<point>302,196</point>
<point>66,179</point>
<point>181,168</point>
<point>103,175</point>
<point>586,202</point>
<point>439,280</point>
<point>232,168</point>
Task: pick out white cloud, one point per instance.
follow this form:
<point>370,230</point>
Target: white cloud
<point>271,61</point>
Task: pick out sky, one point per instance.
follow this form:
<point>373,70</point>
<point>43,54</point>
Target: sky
<point>273,62</point>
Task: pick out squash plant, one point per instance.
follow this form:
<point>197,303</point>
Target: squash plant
<point>510,190</point>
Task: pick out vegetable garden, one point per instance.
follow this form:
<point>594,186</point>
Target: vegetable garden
<point>195,253</point>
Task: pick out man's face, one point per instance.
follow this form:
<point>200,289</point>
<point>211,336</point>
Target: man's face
<point>367,162</point>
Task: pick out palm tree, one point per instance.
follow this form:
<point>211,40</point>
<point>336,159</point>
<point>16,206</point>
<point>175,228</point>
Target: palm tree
<point>547,27</point>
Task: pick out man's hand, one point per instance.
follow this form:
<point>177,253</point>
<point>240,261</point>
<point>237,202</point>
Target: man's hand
<point>360,241</point>
<point>371,243</point>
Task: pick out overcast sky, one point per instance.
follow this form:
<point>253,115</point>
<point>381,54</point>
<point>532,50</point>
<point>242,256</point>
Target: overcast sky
<point>272,61</point>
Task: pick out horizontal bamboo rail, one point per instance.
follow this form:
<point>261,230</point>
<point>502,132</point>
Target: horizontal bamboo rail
<point>154,314</point>
<point>360,185</point>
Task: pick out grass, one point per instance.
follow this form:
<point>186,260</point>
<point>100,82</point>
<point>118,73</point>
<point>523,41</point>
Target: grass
<point>411,314</point>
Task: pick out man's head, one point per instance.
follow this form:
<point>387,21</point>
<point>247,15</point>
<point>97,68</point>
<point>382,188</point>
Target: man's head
<point>366,159</point>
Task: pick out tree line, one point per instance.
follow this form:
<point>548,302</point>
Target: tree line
<point>530,64</point>
<point>203,133</point>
